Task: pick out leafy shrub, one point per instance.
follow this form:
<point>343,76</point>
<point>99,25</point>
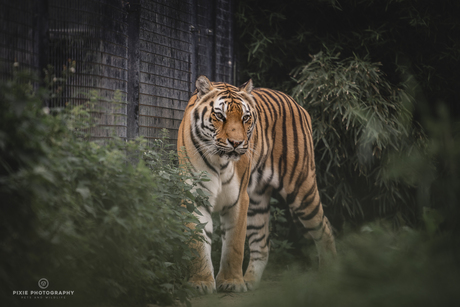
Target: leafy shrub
<point>359,118</point>
<point>84,215</point>
<point>281,245</point>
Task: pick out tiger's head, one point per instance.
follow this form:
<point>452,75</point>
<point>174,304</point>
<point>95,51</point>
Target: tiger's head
<point>224,117</point>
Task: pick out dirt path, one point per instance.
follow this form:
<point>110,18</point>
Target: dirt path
<point>267,287</point>
<point>270,285</point>
<point>236,299</point>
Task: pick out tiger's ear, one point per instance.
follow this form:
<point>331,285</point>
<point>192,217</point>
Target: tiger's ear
<point>247,87</point>
<point>203,85</point>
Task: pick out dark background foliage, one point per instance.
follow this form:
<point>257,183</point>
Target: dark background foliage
<point>373,75</point>
<point>422,37</point>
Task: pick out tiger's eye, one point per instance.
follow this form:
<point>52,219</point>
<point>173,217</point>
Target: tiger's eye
<point>246,118</point>
<point>220,116</point>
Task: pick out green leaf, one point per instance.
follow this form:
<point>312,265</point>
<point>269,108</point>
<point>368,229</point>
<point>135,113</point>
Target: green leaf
<point>84,192</point>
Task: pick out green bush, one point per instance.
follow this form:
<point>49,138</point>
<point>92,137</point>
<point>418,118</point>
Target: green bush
<point>359,119</point>
<point>84,215</point>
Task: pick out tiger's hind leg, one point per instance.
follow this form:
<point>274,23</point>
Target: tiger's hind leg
<point>308,210</point>
<point>258,238</point>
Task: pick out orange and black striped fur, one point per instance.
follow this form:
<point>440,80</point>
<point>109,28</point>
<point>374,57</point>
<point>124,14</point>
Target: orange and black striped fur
<point>251,142</point>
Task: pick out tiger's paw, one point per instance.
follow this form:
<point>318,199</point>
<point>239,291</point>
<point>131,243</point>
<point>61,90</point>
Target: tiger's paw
<point>232,285</point>
<point>203,286</point>
<point>251,284</point>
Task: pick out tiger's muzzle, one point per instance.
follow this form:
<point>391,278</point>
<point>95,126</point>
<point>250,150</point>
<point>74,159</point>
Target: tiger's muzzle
<point>232,149</point>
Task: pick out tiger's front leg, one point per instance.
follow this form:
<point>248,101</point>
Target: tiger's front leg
<point>233,223</point>
<point>202,278</point>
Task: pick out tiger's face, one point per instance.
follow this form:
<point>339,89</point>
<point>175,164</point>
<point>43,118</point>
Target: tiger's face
<point>224,118</point>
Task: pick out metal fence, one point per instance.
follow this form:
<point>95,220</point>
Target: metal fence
<point>149,51</point>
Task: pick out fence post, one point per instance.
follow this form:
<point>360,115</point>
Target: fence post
<point>213,40</point>
<point>133,9</point>
<point>193,47</point>
<point>41,39</point>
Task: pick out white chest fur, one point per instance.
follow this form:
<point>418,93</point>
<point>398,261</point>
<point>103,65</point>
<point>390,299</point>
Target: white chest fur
<point>223,186</point>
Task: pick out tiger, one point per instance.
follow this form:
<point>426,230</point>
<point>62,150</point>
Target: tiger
<point>251,142</point>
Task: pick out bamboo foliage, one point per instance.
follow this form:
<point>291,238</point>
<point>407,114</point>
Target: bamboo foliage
<point>358,117</point>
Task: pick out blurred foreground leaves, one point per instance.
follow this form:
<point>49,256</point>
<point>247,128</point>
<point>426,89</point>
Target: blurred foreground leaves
<point>378,267</point>
<point>97,219</point>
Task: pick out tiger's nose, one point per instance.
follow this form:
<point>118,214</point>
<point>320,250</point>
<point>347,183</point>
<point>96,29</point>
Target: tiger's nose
<point>235,144</point>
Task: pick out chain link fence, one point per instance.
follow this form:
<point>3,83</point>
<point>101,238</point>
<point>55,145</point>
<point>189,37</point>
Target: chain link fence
<point>137,59</point>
